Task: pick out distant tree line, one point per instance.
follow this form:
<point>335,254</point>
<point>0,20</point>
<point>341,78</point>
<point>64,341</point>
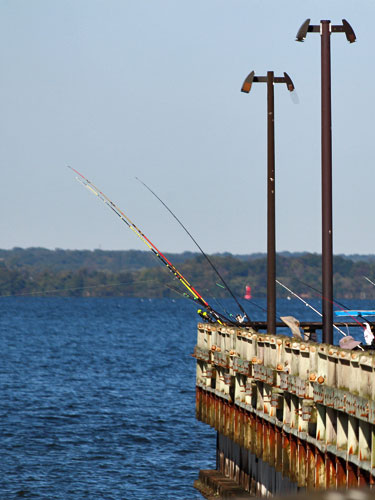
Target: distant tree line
<point>101,273</point>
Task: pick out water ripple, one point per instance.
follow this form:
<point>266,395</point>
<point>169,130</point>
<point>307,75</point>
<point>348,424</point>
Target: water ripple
<point>95,405</point>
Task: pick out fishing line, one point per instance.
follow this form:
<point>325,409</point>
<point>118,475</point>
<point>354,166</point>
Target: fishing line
<point>220,304</point>
<point>308,305</point>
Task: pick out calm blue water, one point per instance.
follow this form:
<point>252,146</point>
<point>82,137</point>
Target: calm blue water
<point>98,398</point>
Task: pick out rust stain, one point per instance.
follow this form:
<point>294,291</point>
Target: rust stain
<point>352,480</point>
<point>340,472</point>
<point>300,461</point>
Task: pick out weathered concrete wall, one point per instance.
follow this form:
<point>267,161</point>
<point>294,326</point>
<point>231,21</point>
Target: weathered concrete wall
<point>290,414</point>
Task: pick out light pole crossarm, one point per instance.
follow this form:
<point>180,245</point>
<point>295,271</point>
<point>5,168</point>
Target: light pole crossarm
<point>345,27</point>
<point>246,86</point>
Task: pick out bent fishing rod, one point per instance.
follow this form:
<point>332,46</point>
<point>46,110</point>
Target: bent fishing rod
<point>124,218</point>
<point>199,247</point>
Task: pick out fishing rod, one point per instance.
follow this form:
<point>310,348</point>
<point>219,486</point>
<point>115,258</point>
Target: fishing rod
<point>308,305</point>
<point>372,283</point>
<point>124,218</point>
<point>368,279</point>
<point>199,247</point>
<point>343,307</point>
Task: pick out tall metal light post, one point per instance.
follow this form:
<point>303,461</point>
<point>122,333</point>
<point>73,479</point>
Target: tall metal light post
<point>270,79</point>
<point>325,29</point>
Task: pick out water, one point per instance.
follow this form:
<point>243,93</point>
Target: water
<point>98,398</point>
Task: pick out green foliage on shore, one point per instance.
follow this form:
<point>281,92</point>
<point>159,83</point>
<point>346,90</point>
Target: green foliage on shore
<point>100,273</point>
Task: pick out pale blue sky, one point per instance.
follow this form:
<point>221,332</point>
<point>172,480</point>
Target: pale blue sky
<point>126,88</point>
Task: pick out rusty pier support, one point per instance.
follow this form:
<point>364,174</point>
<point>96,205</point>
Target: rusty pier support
<point>290,415</point>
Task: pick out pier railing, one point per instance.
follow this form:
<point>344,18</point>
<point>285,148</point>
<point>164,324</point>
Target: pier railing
<point>290,414</point>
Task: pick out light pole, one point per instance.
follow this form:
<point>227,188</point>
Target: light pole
<point>270,79</point>
<point>325,29</point>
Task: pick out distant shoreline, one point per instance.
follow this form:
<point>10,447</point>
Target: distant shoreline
<point>135,273</point>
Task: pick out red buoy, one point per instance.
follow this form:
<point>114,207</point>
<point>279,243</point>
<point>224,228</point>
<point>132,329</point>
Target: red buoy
<point>247,295</point>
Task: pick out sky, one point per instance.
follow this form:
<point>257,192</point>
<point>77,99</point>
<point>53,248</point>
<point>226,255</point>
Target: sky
<point>120,89</point>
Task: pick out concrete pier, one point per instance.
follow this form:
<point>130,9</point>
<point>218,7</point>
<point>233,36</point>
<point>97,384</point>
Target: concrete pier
<point>290,415</point>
